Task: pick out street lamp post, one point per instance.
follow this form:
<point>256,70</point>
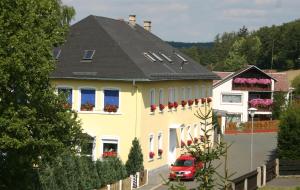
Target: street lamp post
<point>252,113</point>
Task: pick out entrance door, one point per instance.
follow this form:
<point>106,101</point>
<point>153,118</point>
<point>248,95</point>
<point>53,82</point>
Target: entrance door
<point>172,146</point>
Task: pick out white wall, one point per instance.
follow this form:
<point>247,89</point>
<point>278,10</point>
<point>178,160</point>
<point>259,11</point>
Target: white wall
<point>240,108</point>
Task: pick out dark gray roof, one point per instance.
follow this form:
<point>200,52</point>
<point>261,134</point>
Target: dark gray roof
<point>119,54</point>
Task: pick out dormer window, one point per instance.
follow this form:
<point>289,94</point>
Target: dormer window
<point>56,53</point>
<point>148,56</point>
<point>88,54</point>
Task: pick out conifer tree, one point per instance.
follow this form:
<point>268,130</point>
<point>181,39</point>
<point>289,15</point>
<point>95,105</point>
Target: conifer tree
<point>135,158</point>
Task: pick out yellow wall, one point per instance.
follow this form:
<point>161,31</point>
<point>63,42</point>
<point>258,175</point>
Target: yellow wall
<point>134,117</point>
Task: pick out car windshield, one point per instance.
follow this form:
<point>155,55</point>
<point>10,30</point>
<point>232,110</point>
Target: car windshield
<point>183,163</point>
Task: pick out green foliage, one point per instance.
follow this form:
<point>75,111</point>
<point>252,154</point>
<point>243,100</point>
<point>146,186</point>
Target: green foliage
<point>110,170</point>
<point>34,124</point>
<point>288,135</point>
<point>278,104</point>
<point>135,158</point>
<point>296,85</point>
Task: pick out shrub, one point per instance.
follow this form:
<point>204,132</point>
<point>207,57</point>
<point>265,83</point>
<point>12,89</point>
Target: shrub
<point>289,133</point>
<point>135,158</point>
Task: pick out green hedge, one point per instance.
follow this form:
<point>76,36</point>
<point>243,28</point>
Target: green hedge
<point>71,172</point>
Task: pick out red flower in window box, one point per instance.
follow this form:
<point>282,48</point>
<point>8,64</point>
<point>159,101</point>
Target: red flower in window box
<point>190,102</point>
<point>195,140</point>
<point>183,103</point>
<point>109,154</point>
<point>182,144</point>
<point>153,108</point>
<point>151,155</point>
<point>170,105</point>
<point>110,108</point>
<point>67,106</point>
<point>189,142</point>
<point>209,100</point>
<point>160,151</point>
<point>196,101</point>
<point>175,104</point>
<point>161,107</point>
<point>87,107</point>
<point>203,100</point>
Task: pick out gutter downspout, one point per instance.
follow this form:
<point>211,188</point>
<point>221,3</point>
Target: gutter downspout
<point>135,92</point>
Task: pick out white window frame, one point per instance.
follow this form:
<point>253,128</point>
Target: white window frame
<point>183,93</point>
<point>161,96</point>
<point>103,96</point>
<point>67,87</point>
<point>170,95</point>
<point>151,144</point>
<point>159,141</point>
<point>174,95</point>
<point>203,91</point>
<point>233,103</point>
<point>189,132</point>
<point>182,139</point>
<point>197,92</point>
<point>109,139</point>
<point>195,130</point>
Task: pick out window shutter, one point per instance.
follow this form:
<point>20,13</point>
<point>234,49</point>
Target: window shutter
<point>88,96</point>
<point>111,97</point>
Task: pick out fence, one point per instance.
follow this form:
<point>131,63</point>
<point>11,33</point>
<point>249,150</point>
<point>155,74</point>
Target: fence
<point>258,126</point>
<point>257,178</point>
<point>289,167</point>
<point>132,182</point>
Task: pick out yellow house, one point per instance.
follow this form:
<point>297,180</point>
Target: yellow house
<point>125,82</point>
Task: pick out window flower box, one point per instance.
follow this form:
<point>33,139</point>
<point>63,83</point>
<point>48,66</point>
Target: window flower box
<point>203,100</point>
<point>175,105</point>
<point>109,154</point>
<point>87,107</point>
<point>170,105</point>
<point>183,103</point>
<point>161,107</point>
<point>209,100</point>
<point>67,106</point>
<point>189,142</point>
<point>153,108</point>
<point>190,102</point>
<point>110,108</point>
<point>196,101</point>
<point>151,155</point>
<point>160,152</point>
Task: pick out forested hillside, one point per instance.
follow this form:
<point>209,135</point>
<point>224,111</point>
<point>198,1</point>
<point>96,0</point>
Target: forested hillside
<point>189,45</point>
<point>275,47</point>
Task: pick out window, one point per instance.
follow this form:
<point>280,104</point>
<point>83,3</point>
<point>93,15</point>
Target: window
<point>111,97</point>
<point>234,118</point>
<point>166,57</point>
<point>160,142</point>
<point>157,57</point>
<point>189,132</point>
<point>87,99</point>
<point>203,91</point>
<point>148,56</point>
<point>109,147</point>
<point>170,97</point>
<point>209,91</point>
<point>174,94</point>
<point>151,145</point>
<point>152,97</point>
<point>183,93</point>
<point>88,147</point>
<point>67,92</point>
<point>231,98</point>
<point>182,134</point>
<point>161,97</point>
<point>88,54</point>
<point>196,92</point>
<point>189,93</point>
<point>180,57</point>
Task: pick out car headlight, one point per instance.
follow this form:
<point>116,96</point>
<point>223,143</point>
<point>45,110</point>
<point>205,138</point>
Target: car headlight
<point>187,172</point>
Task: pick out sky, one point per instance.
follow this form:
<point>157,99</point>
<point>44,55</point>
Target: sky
<point>192,20</point>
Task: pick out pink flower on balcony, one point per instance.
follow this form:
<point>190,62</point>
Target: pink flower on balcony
<point>239,80</point>
<point>251,81</point>
<point>264,81</point>
<point>260,102</point>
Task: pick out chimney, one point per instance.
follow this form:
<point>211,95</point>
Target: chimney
<point>132,20</point>
<point>147,25</point>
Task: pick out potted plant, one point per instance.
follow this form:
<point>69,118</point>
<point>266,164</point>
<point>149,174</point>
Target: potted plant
<point>161,107</point>
<point>109,154</point>
<point>209,100</point>
<point>87,107</point>
<point>183,103</point>
<point>110,108</point>
<point>203,100</point>
<point>151,155</point>
<point>170,105</point>
<point>189,142</point>
<point>196,101</point>
<point>190,102</point>
<point>175,105</point>
<point>153,108</point>
<point>160,151</point>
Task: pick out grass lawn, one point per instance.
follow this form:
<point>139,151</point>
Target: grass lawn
<point>280,188</point>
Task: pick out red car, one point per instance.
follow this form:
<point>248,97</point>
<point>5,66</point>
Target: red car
<point>185,167</point>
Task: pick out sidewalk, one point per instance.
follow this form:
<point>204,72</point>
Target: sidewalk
<point>284,182</point>
<point>155,178</point>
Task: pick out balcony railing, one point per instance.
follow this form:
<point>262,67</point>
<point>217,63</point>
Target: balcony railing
<point>251,84</point>
<point>261,104</point>
<point>247,87</point>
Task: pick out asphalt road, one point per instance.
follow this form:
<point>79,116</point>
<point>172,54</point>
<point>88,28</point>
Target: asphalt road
<point>239,154</point>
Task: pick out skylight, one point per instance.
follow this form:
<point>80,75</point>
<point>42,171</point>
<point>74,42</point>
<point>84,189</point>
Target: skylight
<point>157,57</point>
<point>166,57</point>
<point>88,54</point>
<point>56,53</point>
<point>147,55</point>
<point>179,56</point>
